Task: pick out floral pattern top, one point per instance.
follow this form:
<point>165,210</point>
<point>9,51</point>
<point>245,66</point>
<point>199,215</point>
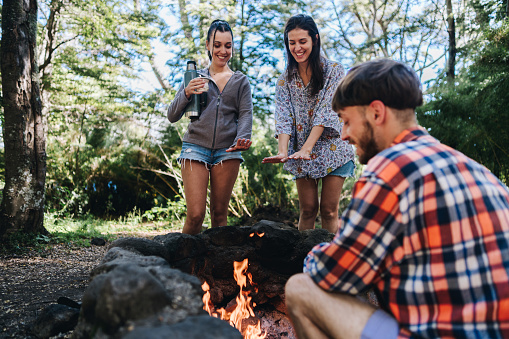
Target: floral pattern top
<point>297,112</point>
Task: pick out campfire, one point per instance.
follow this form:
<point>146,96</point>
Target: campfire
<point>240,313</point>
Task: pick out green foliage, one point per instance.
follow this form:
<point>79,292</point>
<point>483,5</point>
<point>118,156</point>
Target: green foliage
<point>77,233</point>
<point>470,115</point>
<point>21,242</point>
<point>257,30</point>
<point>99,129</point>
<point>112,153</point>
<point>173,211</point>
<point>266,184</point>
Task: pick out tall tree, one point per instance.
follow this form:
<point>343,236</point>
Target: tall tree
<point>22,207</point>
<point>406,30</point>
<point>451,31</point>
<point>471,115</point>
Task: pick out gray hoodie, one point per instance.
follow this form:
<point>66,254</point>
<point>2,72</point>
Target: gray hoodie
<point>228,115</point>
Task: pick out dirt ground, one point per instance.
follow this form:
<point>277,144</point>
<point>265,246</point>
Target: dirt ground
<point>32,281</point>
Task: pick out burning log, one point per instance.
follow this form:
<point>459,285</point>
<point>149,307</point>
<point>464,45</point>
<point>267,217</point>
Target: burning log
<point>240,314</point>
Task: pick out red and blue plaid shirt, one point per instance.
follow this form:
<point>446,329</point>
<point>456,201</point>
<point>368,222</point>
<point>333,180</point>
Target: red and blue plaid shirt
<point>428,228</point>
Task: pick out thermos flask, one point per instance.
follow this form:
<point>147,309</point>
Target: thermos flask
<point>192,110</point>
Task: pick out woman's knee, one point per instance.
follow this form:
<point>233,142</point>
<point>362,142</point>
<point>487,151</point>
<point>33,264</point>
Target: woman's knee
<point>195,218</point>
<point>308,211</point>
<point>326,212</point>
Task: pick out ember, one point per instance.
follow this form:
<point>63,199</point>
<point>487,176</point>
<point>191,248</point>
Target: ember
<point>260,234</point>
<point>243,311</point>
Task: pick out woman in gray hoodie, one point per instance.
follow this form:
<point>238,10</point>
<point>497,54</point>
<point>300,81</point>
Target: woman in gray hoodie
<point>212,144</point>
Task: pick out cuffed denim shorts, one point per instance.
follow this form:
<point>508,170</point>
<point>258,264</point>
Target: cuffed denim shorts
<point>346,170</point>
<point>209,157</point>
<point>380,326</point>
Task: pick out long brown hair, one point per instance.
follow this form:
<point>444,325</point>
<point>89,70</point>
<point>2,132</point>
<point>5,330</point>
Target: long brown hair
<point>306,23</point>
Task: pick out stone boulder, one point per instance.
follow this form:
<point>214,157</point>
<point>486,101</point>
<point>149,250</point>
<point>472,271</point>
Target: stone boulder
<point>129,296</point>
<point>55,319</point>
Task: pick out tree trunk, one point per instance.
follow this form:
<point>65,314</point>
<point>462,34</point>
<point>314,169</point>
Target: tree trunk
<point>451,30</point>
<point>22,206</point>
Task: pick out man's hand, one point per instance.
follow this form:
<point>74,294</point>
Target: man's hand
<point>241,145</point>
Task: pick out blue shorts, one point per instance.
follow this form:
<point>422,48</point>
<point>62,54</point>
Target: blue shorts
<point>209,157</point>
<point>380,326</point>
<point>346,170</point>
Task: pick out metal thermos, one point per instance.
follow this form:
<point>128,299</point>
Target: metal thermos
<point>193,108</point>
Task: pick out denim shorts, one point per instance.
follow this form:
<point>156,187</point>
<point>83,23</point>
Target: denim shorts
<point>346,170</point>
<point>209,157</point>
<point>380,326</point>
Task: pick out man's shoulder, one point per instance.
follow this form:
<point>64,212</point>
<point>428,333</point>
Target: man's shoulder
<point>410,160</point>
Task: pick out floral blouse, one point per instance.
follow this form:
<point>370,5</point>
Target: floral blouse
<point>297,112</point>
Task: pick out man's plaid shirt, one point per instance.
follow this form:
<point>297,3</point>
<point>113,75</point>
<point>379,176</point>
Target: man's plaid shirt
<point>428,228</point>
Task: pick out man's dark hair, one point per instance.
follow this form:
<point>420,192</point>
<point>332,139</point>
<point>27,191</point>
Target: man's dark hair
<point>217,25</point>
<point>389,81</point>
<point>306,23</point>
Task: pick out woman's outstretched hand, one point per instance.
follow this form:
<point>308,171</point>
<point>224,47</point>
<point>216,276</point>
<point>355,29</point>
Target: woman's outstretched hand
<point>275,159</point>
<point>306,155</point>
<point>241,145</point>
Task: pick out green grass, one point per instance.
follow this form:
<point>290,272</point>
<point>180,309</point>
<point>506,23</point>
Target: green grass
<point>78,232</point>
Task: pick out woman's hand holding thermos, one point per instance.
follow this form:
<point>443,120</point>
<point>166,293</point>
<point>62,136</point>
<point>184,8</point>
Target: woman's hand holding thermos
<point>196,86</point>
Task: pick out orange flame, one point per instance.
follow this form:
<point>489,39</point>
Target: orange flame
<point>260,234</point>
<point>244,307</point>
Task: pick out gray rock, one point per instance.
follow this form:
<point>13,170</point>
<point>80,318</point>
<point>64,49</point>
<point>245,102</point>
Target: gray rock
<point>185,289</point>
<point>55,319</point>
<point>117,256</point>
<point>98,241</point>
<point>143,246</point>
<point>278,239</point>
<point>179,246</point>
<point>226,236</point>
<point>68,302</point>
<point>195,327</point>
<point>128,292</point>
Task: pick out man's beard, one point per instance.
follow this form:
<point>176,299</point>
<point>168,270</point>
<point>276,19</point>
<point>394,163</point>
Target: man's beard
<point>367,144</point>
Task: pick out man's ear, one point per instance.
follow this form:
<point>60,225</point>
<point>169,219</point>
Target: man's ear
<point>379,111</point>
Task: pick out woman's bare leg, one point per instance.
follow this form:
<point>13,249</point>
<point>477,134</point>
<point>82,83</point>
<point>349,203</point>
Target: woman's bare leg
<point>195,176</point>
<point>329,202</point>
<point>308,202</point>
<point>222,180</point>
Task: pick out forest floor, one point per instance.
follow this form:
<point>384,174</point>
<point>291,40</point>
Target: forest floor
<point>36,279</point>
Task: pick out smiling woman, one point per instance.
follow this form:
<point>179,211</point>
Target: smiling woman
<point>307,128</point>
<point>213,141</point>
